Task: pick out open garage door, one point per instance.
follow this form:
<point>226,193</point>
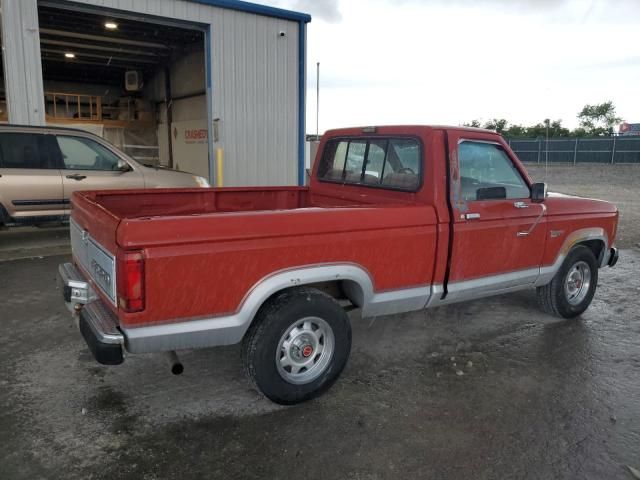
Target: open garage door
<point>139,83</point>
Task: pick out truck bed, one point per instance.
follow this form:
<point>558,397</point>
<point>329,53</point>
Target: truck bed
<point>177,202</point>
<point>196,242</point>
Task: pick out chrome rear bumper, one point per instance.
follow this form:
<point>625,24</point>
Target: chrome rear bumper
<point>75,288</point>
<point>98,325</point>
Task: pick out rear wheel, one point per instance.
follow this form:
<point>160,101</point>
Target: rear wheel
<point>297,346</point>
<point>572,289</point>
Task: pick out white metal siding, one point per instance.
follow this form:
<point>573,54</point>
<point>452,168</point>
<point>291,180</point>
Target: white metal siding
<point>255,86</point>
<point>22,66</point>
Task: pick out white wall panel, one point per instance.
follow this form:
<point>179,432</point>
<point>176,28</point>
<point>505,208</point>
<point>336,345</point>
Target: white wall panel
<point>255,86</point>
<point>22,66</point>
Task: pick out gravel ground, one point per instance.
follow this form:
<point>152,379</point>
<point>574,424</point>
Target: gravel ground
<point>490,389</point>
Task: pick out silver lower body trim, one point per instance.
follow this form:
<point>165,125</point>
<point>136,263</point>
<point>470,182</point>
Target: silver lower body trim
<point>211,332</point>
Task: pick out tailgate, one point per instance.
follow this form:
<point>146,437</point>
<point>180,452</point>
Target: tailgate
<point>96,261</point>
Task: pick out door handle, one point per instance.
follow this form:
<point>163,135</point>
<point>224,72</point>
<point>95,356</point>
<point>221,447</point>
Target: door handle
<point>521,205</point>
<point>472,216</point>
<point>543,210</point>
<point>76,177</point>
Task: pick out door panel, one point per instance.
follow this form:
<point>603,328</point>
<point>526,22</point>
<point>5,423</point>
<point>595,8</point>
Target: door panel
<point>30,182</point>
<point>499,239</point>
<point>89,165</point>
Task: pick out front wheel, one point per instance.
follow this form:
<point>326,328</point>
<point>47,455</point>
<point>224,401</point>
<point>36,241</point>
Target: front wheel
<point>297,345</point>
<point>572,289</point>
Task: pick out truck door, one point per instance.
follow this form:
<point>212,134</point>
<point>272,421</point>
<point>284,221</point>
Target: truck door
<point>498,233</point>
<point>89,165</point>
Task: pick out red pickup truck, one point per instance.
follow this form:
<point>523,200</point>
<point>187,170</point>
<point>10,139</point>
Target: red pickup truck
<point>395,219</point>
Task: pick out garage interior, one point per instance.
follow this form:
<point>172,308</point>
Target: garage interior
<point>139,84</point>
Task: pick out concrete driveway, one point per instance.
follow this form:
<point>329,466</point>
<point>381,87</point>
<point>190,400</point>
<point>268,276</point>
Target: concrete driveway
<point>491,389</point>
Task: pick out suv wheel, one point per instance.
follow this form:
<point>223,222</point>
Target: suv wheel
<point>297,345</point>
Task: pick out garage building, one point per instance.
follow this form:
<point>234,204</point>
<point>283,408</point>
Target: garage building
<point>177,83</point>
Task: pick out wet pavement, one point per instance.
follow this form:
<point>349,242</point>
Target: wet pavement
<point>491,389</point>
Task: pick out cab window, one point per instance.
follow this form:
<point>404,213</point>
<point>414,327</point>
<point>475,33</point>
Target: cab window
<point>393,163</point>
<point>84,154</point>
<point>487,173</point>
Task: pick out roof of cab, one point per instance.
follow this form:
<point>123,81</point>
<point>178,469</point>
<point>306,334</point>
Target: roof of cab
<point>374,128</point>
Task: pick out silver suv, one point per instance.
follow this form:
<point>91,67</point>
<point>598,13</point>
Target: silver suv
<point>41,167</point>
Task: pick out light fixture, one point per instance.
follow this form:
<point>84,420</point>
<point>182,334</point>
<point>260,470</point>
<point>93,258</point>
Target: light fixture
<point>111,25</point>
<point>70,55</point>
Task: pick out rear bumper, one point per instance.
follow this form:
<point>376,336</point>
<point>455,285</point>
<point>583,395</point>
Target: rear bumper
<point>98,325</point>
<point>75,289</point>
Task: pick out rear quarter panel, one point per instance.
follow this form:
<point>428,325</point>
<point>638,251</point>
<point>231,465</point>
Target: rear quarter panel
<point>205,266</point>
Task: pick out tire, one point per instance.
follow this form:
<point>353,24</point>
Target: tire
<point>572,289</point>
<point>297,346</point>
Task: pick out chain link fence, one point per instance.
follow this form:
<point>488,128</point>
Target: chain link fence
<point>612,150</point>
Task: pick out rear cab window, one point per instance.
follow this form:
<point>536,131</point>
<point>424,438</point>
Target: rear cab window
<point>391,163</point>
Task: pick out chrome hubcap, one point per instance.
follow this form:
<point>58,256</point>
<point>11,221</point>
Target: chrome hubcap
<point>577,283</point>
<point>305,350</point>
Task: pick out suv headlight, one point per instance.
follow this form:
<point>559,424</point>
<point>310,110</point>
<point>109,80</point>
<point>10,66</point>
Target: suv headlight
<point>201,181</point>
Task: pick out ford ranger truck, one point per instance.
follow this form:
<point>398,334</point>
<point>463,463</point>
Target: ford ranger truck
<point>395,219</point>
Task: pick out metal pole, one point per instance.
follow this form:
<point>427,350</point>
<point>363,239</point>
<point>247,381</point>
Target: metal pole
<point>613,151</point>
<point>575,153</point>
<point>317,99</point>
<point>168,104</point>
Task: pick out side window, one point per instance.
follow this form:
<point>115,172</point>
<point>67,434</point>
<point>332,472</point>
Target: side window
<point>25,150</point>
<point>80,153</point>
<point>487,172</point>
<point>381,162</point>
<point>402,169</point>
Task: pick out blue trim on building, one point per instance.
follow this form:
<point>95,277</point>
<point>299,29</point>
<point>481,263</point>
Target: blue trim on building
<point>257,9</point>
<point>302,100</point>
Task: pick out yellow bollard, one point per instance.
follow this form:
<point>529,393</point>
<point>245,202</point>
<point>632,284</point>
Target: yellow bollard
<point>219,167</point>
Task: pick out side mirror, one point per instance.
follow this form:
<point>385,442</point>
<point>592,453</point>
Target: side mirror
<point>538,192</point>
<point>123,166</point>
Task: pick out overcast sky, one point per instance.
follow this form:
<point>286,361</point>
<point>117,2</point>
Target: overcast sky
<point>452,61</point>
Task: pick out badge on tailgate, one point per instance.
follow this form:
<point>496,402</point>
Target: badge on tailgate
<point>102,267</point>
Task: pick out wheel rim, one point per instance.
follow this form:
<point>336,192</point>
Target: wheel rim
<point>305,350</point>
<point>577,283</point>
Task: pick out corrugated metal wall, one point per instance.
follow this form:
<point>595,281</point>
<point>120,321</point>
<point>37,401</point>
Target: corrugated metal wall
<point>254,85</point>
<point>255,89</point>
<point>23,75</point>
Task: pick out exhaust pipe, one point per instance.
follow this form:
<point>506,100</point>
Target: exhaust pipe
<point>174,362</point>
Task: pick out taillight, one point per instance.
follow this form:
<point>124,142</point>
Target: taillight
<point>131,281</point>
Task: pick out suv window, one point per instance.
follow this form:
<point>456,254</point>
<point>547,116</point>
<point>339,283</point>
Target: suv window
<point>381,162</point>
<point>80,153</point>
<point>487,165</point>
<point>25,150</point>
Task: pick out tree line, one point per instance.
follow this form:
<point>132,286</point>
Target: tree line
<point>594,120</point>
